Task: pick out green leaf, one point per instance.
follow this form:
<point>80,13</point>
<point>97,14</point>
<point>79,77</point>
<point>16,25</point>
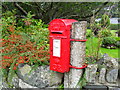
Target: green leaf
<point>11,73</point>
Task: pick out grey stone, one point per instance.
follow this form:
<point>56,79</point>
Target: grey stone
<point>25,69</point>
<point>95,87</point>
<point>21,65</point>
<point>4,83</point>
<point>0,79</point>
<point>55,78</point>
<point>91,73</point>
<point>41,77</point>
<point>114,62</point>
<point>15,81</point>
<point>101,61</point>
<point>106,58</point>
<point>110,62</point>
<point>113,88</point>
<point>25,85</point>
<point>112,75</point>
<point>102,75</point>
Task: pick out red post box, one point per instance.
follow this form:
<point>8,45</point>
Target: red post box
<point>60,44</point>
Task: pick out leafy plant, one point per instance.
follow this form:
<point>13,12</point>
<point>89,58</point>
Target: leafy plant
<point>118,44</point>
<point>89,34</point>
<point>105,33</point>
<point>23,41</point>
<point>8,23</point>
<point>116,38</point>
<point>114,26</point>
<point>61,87</point>
<point>90,59</point>
<point>105,21</point>
<point>117,41</point>
<point>119,32</point>
<point>93,49</point>
<point>96,27</point>
<point>109,41</point>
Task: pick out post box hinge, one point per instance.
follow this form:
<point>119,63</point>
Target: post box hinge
<point>78,40</point>
<point>83,66</point>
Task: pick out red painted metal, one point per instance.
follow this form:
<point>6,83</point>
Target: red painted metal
<point>60,44</point>
<point>78,40</point>
<point>83,66</point>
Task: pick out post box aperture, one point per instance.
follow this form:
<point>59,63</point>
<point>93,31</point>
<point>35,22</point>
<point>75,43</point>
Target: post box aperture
<point>60,44</point>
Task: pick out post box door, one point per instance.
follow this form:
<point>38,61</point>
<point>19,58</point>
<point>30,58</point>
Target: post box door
<point>60,55</point>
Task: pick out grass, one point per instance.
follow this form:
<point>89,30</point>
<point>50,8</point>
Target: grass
<point>92,44</point>
<point>113,31</point>
<point>111,52</point>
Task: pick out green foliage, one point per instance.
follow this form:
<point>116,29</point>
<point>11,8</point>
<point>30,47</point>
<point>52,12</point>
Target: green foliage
<point>109,41</point>
<point>61,87</point>
<point>89,34</point>
<point>117,41</point>
<point>105,21</point>
<point>105,33</point>
<point>90,59</point>
<point>11,73</point>
<point>118,32</point>
<point>114,26</point>
<point>23,41</point>
<point>96,27</point>
<point>92,49</point>
<point>8,18</point>
<point>118,44</point>
<point>116,38</point>
<point>51,10</point>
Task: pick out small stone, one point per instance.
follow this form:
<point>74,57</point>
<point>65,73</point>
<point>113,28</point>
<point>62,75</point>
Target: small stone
<point>101,61</point>
<point>21,65</point>
<point>106,57</point>
<point>24,85</point>
<point>102,75</point>
<point>110,62</point>
<point>25,70</point>
<point>114,62</point>
<point>91,73</point>
<point>112,76</point>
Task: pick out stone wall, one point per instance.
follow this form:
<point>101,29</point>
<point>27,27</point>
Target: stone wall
<point>104,72</point>
<point>41,77</point>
